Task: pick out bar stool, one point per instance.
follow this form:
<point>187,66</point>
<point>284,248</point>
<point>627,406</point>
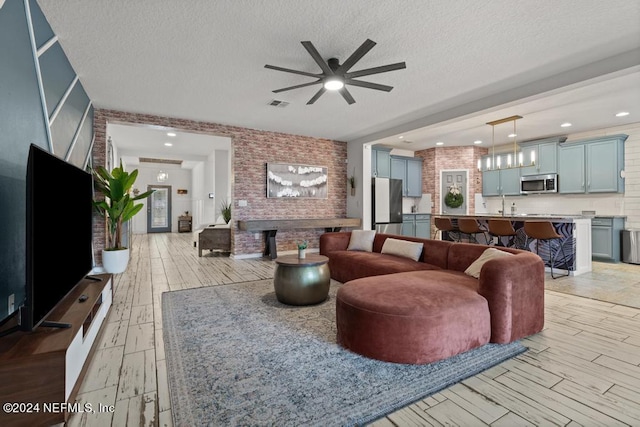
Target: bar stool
<point>501,228</point>
<point>544,231</point>
<point>445,224</point>
<point>471,227</point>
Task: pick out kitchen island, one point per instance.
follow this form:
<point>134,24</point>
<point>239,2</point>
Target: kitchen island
<point>574,229</point>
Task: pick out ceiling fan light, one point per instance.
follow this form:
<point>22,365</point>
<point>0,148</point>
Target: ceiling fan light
<point>333,83</point>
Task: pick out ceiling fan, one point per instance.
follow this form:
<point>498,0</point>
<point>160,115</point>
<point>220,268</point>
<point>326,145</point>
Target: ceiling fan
<point>335,76</point>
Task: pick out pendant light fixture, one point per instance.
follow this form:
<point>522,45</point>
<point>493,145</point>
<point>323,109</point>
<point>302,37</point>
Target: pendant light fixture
<point>514,160</point>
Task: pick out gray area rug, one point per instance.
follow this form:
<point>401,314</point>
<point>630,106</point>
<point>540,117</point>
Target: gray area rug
<point>236,356</point>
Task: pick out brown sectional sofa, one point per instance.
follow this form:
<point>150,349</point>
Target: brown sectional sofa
<point>395,309</point>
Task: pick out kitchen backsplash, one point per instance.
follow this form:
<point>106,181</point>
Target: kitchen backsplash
<point>605,204</point>
<point>422,204</point>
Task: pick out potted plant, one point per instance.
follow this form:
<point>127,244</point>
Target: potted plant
<point>117,208</point>
<point>225,211</point>
<point>302,247</point>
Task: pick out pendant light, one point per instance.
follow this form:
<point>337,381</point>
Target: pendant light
<point>514,160</point>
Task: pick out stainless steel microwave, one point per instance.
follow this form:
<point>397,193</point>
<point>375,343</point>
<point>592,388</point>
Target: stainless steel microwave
<point>534,184</point>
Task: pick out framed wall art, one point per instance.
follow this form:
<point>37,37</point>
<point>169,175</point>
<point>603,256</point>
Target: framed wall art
<point>286,180</point>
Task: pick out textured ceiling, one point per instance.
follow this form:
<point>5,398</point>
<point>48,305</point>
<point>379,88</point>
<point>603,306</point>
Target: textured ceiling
<point>204,60</point>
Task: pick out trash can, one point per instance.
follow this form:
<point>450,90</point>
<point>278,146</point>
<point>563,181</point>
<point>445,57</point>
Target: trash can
<point>631,246</point>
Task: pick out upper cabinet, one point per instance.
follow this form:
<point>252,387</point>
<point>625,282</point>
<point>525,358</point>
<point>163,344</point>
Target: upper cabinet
<point>541,154</point>
<point>592,165</point>
<point>409,170</point>
<point>380,162</point>
<point>414,177</point>
<point>500,182</point>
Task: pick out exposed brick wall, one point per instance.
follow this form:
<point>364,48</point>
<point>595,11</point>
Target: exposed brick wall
<point>251,151</point>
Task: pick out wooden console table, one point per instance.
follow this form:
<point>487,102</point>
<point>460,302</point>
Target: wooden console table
<point>271,226</point>
<point>214,238</point>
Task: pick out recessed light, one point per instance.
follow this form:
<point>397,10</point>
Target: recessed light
<point>400,137</point>
<point>171,134</point>
<point>622,114</point>
<point>439,143</point>
<point>512,135</point>
<point>168,144</point>
<point>565,125</point>
<point>477,141</point>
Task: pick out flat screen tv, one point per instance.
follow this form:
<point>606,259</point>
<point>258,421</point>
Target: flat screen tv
<point>59,233</point>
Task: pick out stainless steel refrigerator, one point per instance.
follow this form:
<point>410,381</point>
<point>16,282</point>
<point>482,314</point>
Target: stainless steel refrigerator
<point>386,197</point>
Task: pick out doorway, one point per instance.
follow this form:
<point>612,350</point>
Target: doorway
<point>451,180</point>
<point>159,209</point>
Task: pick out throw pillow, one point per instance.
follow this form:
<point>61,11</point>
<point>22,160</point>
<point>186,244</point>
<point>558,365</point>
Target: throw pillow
<point>489,254</point>
<point>402,248</point>
<point>361,240</point>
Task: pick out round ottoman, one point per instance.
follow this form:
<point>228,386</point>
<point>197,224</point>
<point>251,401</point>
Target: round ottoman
<point>412,317</point>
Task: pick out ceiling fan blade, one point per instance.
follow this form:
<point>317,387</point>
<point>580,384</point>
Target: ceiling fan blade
<point>317,95</point>
<point>316,57</point>
<point>376,70</point>
<point>297,86</point>
<point>287,70</point>
<point>347,96</point>
<point>356,56</point>
<point>368,85</point>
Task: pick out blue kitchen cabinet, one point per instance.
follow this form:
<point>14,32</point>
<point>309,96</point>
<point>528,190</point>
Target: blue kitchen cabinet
<point>500,182</point>
<point>545,154</point>
<point>399,170</point>
<point>416,225</point>
<point>414,177</point>
<point>605,238</point>
<point>592,166</point>
<point>409,170</point>
<point>571,169</point>
<point>510,182</point>
<point>380,162</point>
<point>408,225</point>
<point>423,226</point>
<point>491,183</point>
<point>605,162</point>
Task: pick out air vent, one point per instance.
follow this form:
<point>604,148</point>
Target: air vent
<point>406,141</point>
<point>278,103</point>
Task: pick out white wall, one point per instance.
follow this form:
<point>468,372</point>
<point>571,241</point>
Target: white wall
<point>355,162</point>
<point>222,183</point>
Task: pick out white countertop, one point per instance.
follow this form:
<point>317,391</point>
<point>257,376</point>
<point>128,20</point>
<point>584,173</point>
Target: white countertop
<point>522,217</point>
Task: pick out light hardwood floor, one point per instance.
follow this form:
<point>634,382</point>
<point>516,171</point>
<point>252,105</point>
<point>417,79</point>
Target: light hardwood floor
<point>583,369</point>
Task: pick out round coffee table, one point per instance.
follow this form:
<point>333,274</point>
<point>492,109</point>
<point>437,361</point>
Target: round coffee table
<point>302,281</point>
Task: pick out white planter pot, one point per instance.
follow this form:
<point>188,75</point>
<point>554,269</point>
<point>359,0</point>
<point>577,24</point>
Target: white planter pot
<point>115,262</point>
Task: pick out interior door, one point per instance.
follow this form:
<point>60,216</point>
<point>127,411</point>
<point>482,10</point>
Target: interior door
<point>159,209</point>
<point>449,180</point>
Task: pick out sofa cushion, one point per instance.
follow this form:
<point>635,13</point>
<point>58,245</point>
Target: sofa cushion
<point>435,252</point>
<point>361,240</point>
<point>349,265</point>
<point>402,248</point>
<point>490,253</point>
<point>462,255</point>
